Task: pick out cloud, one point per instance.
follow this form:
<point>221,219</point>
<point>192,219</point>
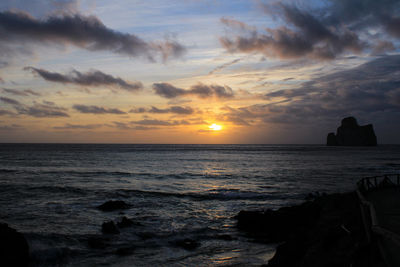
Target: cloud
<point>9,101</point>
<point>91,78</point>
<point>154,122</point>
<point>370,92</point>
<point>127,126</point>
<point>223,66</point>
<point>86,32</point>
<point>11,127</point>
<point>5,112</point>
<point>42,110</point>
<point>69,126</point>
<point>232,23</point>
<point>97,110</point>
<point>200,90</point>
<point>25,92</point>
<point>174,109</point>
<point>336,28</point>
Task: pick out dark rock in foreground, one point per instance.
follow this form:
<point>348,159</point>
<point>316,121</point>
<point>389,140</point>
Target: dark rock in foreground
<point>352,134</point>
<point>187,243</point>
<point>125,222</point>
<point>97,242</point>
<point>327,231</point>
<point>125,251</point>
<point>276,226</point>
<point>113,205</point>
<point>109,228</point>
<point>14,249</point>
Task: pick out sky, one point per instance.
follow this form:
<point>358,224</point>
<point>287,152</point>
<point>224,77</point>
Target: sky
<point>197,71</point>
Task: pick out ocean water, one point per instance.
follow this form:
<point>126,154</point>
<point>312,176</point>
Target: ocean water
<point>50,193</point>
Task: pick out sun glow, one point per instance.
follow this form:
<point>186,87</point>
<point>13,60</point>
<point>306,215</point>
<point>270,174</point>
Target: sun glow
<point>215,127</point>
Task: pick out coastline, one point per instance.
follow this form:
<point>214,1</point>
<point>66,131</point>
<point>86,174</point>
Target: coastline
<point>325,231</point>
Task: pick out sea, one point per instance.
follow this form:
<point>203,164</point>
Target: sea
<point>51,194</point>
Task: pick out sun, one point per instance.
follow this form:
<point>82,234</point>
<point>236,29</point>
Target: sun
<point>215,127</point>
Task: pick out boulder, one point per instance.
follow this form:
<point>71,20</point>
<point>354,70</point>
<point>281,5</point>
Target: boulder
<point>109,228</point>
<point>113,205</point>
<point>327,231</point>
<point>125,222</point>
<point>97,242</point>
<point>187,243</point>
<point>352,134</point>
<point>331,140</point>
<point>279,225</point>
<point>125,251</point>
<point>14,249</point>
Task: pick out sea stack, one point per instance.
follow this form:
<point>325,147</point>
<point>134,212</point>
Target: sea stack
<point>352,134</point>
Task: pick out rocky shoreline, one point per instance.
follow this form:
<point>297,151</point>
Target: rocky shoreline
<point>325,231</point>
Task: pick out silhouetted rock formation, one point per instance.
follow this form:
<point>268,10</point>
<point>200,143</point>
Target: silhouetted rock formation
<point>351,134</point>
<point>327,231</point>
<point>125,222</point>
<point>187,243</point>
<point>109,228</point>
<point>14,250</point>
<point>113,205</point>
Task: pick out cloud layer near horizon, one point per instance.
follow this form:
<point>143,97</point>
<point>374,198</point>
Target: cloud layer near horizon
<point>173,109</point>
<point>370,92</point>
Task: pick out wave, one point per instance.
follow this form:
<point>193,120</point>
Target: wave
<point>8,171</point>
<point>214,194</point>
<point>64,172</point>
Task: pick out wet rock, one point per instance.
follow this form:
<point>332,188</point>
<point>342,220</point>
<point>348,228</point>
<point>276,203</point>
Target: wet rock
<point>276,226</point>
<point>146,235</point>
<point>125,222</point>
<point>109,228</point>
<point>125,251</point>
<point>113,205</point>
<point>187,243</point>
<point>352,134</point>
<point>327,231</point>
<point>14,249</point>
<point>97,242</point>
<point>224,237</point>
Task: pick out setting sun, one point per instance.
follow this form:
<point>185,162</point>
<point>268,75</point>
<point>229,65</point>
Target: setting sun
<point>215,127</point>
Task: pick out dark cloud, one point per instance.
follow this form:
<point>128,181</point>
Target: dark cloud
<point>5,112</point>
<point>11,127</point>
<point>201,90</point>
<point>86,32</point>
<point>97,110</point>
<point>337,28</point>
<point>393,26</point>
<point>25,92</point>
<point>69,126</point>
<point>127,126</point>
<point>382,47</point>
<point>174,109</point>
<point>167,90</point>
<point>42,110</point>
<point>153,122</point>
<point>138,110</point>
<point>9,100</point>
<point>91,78</point>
